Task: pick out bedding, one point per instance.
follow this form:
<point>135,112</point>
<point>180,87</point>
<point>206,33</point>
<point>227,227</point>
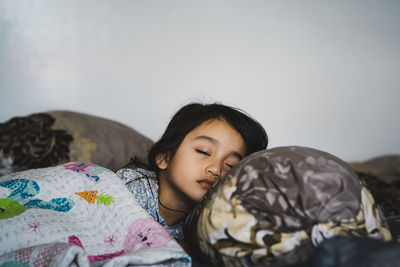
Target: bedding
<point>78,214</point>
<point>277,205</point>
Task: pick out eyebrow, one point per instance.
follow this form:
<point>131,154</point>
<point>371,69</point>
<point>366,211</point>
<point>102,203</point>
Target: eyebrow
<point>214,141</point>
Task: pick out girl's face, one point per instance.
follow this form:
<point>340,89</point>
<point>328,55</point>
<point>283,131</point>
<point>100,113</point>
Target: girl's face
<point>205,154</point>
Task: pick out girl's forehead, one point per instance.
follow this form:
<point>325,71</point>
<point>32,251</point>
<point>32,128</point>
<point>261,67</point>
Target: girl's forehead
<point>219,129</point>
<point>213,124</point>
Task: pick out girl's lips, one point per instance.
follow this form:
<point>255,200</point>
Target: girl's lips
<point>206,183</point>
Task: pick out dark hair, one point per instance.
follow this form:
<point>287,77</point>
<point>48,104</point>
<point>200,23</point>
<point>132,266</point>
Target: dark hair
<point>194,114</point>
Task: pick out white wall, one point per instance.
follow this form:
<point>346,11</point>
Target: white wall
<point>324,74</point>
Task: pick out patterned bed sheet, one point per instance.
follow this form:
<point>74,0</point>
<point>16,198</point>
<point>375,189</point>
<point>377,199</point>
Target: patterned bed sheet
<point>79,214</point>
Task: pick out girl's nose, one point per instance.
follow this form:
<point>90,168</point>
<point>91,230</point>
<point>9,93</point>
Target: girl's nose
<point>214,170</point>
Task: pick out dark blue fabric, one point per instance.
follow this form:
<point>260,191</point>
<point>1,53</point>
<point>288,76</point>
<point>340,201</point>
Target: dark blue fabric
<point>353,251</point>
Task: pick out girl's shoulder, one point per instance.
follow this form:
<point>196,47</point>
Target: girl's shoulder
<point>143,184</point>
<point>136,174</point>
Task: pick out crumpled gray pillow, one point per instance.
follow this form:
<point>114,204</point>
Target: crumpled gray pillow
<point>276,205</point>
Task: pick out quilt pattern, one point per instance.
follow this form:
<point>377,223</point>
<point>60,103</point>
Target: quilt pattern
<point>78,214</point>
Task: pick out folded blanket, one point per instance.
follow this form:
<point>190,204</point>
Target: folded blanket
<point>79,214</point>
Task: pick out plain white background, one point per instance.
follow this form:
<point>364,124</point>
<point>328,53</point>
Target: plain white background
<point>324,74</point>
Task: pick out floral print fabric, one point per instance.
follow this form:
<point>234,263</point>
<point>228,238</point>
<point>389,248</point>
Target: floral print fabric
<point>276,205</point>
<point>144,186</point>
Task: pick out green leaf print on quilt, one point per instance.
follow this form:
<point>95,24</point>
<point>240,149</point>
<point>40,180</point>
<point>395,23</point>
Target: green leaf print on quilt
<point>104,199</point>
<point>10,208</point>
<point>23,189</point>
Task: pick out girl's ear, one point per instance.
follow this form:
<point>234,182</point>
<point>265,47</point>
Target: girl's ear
<point>162,161</point>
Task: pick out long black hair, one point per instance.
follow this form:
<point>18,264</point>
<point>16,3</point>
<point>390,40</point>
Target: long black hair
<point>192,115</point>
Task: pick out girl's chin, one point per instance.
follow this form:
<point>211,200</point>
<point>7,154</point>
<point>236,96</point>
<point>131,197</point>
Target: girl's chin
<point>198,198</point>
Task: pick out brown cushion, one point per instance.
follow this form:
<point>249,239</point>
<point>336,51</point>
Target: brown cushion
<point>386,167</point>
<point>382,176</point>
<point>55,137</point>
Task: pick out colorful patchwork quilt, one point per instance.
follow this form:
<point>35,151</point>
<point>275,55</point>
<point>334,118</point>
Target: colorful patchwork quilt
<point>78,214</point>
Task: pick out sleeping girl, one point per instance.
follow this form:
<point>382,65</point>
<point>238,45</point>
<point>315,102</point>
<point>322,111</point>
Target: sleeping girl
<point>201,143</point>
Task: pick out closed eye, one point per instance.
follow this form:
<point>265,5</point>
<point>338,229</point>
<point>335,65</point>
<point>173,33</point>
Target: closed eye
<point>202,152</point>
<point>229,165</point>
